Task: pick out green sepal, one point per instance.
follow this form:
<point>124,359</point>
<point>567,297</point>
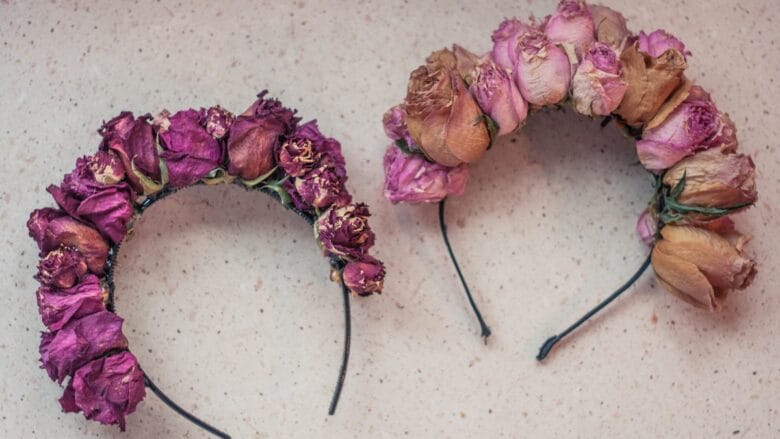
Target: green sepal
<point>493,129</point>
<point>403,146</point>
<point>217,176</point>
<point>260,179</point>
<point>150,186</point>
<point>679,187</point>
<point>276,186</point>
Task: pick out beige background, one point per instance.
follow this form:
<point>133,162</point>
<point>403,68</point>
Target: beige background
<point>227,302</point>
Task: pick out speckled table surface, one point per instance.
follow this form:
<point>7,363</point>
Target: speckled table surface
<point>226,299</point>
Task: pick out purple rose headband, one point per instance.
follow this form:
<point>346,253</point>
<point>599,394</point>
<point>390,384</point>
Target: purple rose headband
<point>585,56</point>
<point>141,161</point>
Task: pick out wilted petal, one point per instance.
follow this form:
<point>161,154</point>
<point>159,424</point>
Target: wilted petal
<point>59,307</point>
<point>411,178</point>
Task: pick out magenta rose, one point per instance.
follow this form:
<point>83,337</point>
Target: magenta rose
<point>498,97</point>
<point>106,389</point>
<point>505,40</point>
<point>344,231</point>
<point>365,276</point>
<point>309,149</point>
<point>646,227</point>
<point>190,151</point>
<point>256,135</point>
<point>218,122</point>
<point>52,229</point>
<point>94,192</point>
<point>411,178</point>
<point>394,121</point>
<point>80,341</point>
<point>694,125</point>
<point>571,23</point>
<point>321,188</point>
<point>658,42</point>
<point>597,87</point>
<point>133,141</point>
<point>62,268</point>
<point>543,70</point>
<point>60,306</point>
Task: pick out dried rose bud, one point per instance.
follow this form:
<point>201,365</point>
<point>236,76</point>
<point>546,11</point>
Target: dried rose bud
<point>93,192</point>
<point>256,135</point>
<point>651,81</point>
<point>410,178</point>
<point>498,96</point>
<point>62,268</point>
<point>190,151</point>
<point>218,121</point>
<point>59,307</point>
<point>610,25</point>
<point>571,23</point>
<point>394,121</point>
<point>344,231</point>
<point>106,389</point>
<point>321,188</point>
<point>597,87</point>
<point>309,149</point>
<point>52,229</point>
<point>442,117</point>
<point>132,140</point>
<point>700,266</point>
<point>364,277</point>
<point>694,125</point>
<point>659,42</point>
<point>505,40</point>
<point>543,70</point>
<point>646,227</point>
<point>79,342</point>
<point>715,179</point>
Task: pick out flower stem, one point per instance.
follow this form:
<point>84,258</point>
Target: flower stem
<point>345,355</point>
<point>552,341</point>
<point>483,326</point>
<point>187,415</point>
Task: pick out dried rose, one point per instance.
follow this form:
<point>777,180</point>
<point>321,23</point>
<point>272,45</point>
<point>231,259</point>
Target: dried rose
<point>610,25</point>
<point>694,125</point>
<point>190,151</point>
<point>646,227</point>
<point>505,40</point>
<point>700,266</point>
<point>59,307</point>
<point>442,117</point>
<point>651,81</point>
<point>218,122</point>
<point>106,389</point>
<point>365,276</point>
<point>394,121</point>
<point>132,140</point>
<point>256,135</point>
<point>95,193</point>
<point>597,87</point>
<point>321,188</point>
<point>498,96</point>
<point>79,342</point>
<point>411,178</point>
<point>571,23</point>
<point>659,42</point>
<point>62,268</point>
<point>309,149</point>
<point>715,179</point>
<point>344,231</point>
<point>543,70</point>
<point>52,228</point>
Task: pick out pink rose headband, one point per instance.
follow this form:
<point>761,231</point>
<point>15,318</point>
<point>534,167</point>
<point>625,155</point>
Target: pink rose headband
<point>139,162</point>
<point>458,103</point>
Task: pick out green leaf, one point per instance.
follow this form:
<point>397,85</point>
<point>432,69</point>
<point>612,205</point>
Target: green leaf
<point>276,186</point>
<point>492,127</point>
<point>679,187</point>
<point>403,146</point>
<point>260,179</point>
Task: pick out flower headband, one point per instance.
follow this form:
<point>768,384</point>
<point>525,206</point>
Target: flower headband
<point>141,161</point>
<point>585,56</point>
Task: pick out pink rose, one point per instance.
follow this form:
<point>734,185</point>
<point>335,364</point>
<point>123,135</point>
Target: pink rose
<point>543,70</point>
<point>394,122</point>
<point>694,125</point>
<point>571,23</point>
<point>659,42</point>
<point>610,26</point>
<point>411,178</point>
<point>365,276</point>
<point>597,87</point>
<point>52,228</point>
<point>499,97</point>
<point>505,40</point>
